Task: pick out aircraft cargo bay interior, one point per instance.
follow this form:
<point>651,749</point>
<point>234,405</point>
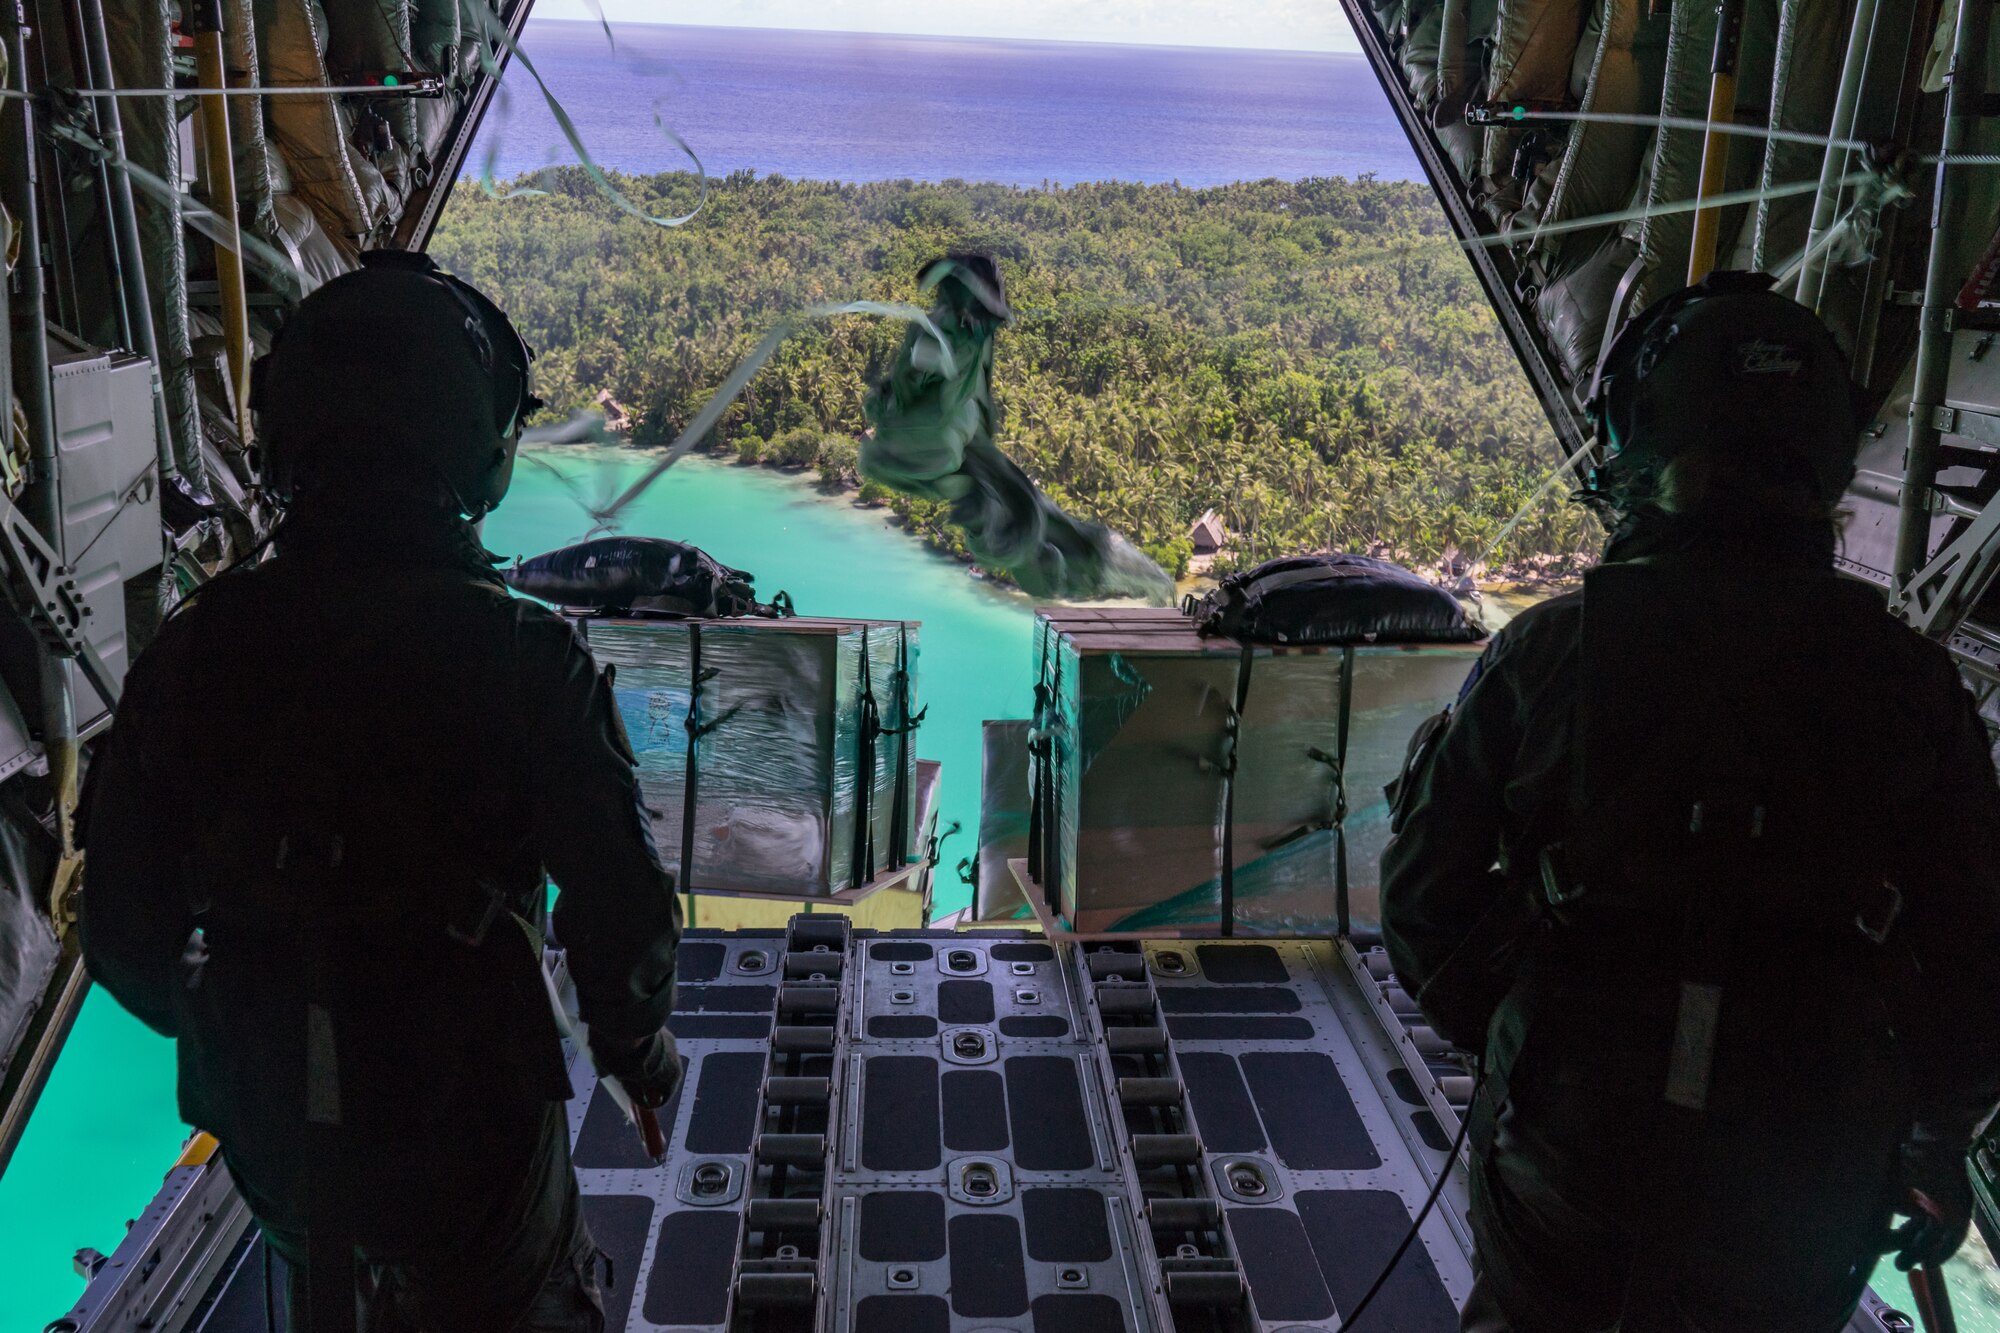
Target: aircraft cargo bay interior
<point>1173,668</point>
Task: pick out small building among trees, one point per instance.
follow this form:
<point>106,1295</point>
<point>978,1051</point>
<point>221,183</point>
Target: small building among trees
<point>1208,535</point>
<point>1208,538</point>
<point>616,417</point>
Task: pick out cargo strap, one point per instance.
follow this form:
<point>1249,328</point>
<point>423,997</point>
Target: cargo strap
<point>1337,764</point>
<point>905,734</point>
<point>865,863</point>
<point>1233,728</point>
<point>863,867</point>
<point>1044,829</point>
<point>697,677</point>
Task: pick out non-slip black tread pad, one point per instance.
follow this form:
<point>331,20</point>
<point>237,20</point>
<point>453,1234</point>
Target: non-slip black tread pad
<point>1223,1110</point>
<point>1034,1025</point>
<point>1307,1112</point>
<point>618,1225</point>
<point>1199,999</point>
<point>725,999</point>
<point>1240,1029</point>
<point>1239,964</point>
<point>1066,1226</point>
<point>724,1118</point>
<point>1045,1112</point>
<point>1278,1264</point>
<point>899,1113</point>
<point>719,1027</point>
<point>1076,1312</point>
<point>692,1262</point>
<point>609,1140</point>
<point>1353,1233</point>
<point>988,1279</point>
<point>901,951</point>
<point>1428,1129</point>
<point>1405,1087</point>
<point>962,1002</point>
<point>975,1111</point>
<point>902,1227</point>
<point>1022,953</point>
<point>699,961</point>
<point>902,1314</point>
<point>901,1027</point>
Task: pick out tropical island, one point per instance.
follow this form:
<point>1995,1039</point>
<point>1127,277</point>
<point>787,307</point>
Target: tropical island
<point>1251,370</point>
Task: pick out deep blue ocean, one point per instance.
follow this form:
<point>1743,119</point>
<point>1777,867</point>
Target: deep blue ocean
<point>861,107</point>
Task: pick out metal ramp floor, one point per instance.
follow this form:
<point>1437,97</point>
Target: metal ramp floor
<point>939,1132</point>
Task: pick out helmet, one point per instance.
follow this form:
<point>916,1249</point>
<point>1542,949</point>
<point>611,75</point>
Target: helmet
<point>1725,365</point>
<point>396,376</point>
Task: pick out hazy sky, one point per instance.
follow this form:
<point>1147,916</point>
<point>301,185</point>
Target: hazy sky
<point>1289,25</point>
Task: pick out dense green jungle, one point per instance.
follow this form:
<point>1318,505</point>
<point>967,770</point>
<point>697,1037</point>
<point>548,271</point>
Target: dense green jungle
<point>1314,360</point>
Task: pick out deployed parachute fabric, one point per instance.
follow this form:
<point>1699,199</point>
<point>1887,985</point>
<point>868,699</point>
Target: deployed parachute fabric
<point>1332,599</point>
<point>616,575</point>
<point>606,517</point>
<point>934,425</point>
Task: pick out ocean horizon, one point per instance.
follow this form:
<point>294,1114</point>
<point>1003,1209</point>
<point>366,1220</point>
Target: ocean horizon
<point>865,107</point>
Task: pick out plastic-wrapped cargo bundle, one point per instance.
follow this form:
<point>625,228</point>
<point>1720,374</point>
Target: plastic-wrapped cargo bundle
<point>801,780</point>
<point>1208,786</point>
<point>1004,820</point>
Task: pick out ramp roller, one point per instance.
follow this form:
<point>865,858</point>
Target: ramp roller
<point>776,1291</point>
<point>784,1214</point>
<point>1183,1214</point>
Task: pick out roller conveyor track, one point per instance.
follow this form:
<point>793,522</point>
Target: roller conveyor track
<point>929,1132</point>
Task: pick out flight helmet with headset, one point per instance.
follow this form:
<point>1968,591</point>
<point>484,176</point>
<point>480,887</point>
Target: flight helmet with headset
<point>1725,365</point>
<point>396,376</point>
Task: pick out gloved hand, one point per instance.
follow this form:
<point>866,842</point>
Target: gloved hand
<point>1936,1191</point>
<point>649,1068</point>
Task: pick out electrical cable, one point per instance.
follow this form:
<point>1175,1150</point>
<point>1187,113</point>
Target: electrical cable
<point>1348,1320</point>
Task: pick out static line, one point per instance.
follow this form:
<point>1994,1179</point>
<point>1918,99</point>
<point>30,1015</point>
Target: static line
<point>1529,118</point>
<point>497,32</point>
<point>269,260</point>
<point>718,403</point>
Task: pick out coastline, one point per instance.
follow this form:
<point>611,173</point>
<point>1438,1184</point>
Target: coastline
<point>1508,589</point>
